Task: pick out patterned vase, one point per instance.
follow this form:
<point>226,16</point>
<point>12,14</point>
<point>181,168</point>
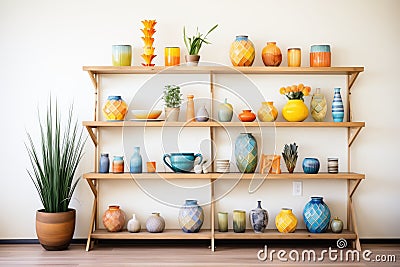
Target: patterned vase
<point>337,106</point>
<point>191,216</point>
<point>155,223</point>
<point>242,52</point>
<point>136,161</point>
<point>115,108</point>
<point>258,218</point>
<point>311,165</point>
<point>316,215</point>
<point>114,219</point>
<point>133,225</point>
<point>246,153</point>
<point>271,55</point>
<point>318,106</point>
<point>295,110</point>
<point>239,221</point>
<point>286,221</point>
<point>267,112</point>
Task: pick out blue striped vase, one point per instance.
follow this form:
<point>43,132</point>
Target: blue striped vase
<point>316,215</point>
<point>246,153</point>
<point>337,107</point>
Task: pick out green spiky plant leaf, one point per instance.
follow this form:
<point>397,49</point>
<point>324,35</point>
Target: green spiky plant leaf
<point>55,160</point>
<point>194,43</point>
<point>290,156</point>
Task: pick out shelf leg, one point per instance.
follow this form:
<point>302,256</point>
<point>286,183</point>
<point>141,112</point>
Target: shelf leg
<point>351,217</point>
<point>92,186</point>
<point>212,216</point>
<point>353,137</point>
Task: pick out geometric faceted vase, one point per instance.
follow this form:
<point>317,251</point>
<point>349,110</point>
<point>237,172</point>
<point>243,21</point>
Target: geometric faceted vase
<point>242,51</point>
<point>286,221</point>
<point>316,215</point>
<point>191,216</point>
<point>246,153</point>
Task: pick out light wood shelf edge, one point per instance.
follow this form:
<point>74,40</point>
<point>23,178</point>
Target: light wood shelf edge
<point>166,234</point>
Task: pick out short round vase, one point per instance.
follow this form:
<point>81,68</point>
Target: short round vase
<point>286,221</point>
<point>242,51</point>
<point>225,111</point>
<point>337,225</point>
<point>247,116</point>
<point>271,55</point>
<point>191,216</point>
<point>258,218</point>
<point>316,215</point>
<point>155,223</point>
<point>114,219</point>
<point>311,165</point>
<point>115,109</point>
<point>295,110</point>
<point>267,112</point>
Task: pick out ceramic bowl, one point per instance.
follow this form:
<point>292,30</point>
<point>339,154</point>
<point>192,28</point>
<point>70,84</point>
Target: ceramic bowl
<point>146,114</point>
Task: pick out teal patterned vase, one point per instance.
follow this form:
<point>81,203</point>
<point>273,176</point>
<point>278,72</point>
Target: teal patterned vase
<point>316,215</point>
<point>246,153</point>
<point>191,216</point>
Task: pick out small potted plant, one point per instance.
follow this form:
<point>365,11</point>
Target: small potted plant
<point>193,45</point>
<point>172,99</point>
<point>290,156</point>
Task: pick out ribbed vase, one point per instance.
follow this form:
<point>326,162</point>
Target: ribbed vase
<point>191,216</point>
<point>316,215</point>
<point>242,52</point>
<point>337,106</point>
<point>246,153</point>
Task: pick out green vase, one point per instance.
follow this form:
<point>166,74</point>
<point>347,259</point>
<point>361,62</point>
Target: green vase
<point>239,221</point>
<point>246,153</point>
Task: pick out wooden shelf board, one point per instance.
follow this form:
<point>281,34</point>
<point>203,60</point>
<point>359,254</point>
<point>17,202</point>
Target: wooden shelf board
<point>95,124</point>
<point>274,234</point>
<point>222,70</point>
<point>166,234</point>
<point>215,176</point>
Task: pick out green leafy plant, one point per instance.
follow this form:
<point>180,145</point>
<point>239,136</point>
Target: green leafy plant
<point>290,156</point>
<point>172,96</point>
<point>55,160</point>
<point>194,43</point>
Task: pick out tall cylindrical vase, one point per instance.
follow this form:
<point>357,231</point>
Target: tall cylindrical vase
<point>242,52</point>
<point>136,161</point>
<point>316,215</point>
<point>246,153</point>
<point>191,216</point>
<point>190,116</point>
<point>239,221</point>
<point>337,106</point>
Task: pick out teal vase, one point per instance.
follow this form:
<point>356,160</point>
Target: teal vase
<point>136,161</point>
<point>246,153</point>
<point>316,215</point>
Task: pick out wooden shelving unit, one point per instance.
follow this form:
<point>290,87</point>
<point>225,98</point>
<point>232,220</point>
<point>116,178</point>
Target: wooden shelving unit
<point>95,126</point>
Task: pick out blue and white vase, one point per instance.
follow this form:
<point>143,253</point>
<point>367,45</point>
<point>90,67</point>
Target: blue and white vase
<point>191,216</point>
<point>311,165</point>
<point>136,161</point>
<point>337,106</point>
<point>258,218</point>
<point>316,215</point>
<point>246,153</point>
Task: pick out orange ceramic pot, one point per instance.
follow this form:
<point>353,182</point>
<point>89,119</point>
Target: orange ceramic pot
<point>114,219</point>
<point>320,56</point>
<point>247,116</point>
<point>271,55</point>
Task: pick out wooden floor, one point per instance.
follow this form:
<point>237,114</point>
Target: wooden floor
<point>174,255</point>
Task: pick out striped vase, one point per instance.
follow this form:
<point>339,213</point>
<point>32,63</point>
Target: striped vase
<point>242,52</point>
<point>246,153</point>
<point>316,215</point>
<point>337,107</point>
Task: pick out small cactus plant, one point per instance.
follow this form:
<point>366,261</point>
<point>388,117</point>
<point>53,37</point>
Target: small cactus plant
<point>290,156</point>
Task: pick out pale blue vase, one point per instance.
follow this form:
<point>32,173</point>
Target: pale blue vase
<point>136,161</point>
<point>246,153</point>
<point>337,106</point>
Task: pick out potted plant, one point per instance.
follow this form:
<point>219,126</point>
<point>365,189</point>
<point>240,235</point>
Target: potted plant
<point>54,162</point>
<point>172,99</point>
<point>290,155</point>
<point>193,45</point>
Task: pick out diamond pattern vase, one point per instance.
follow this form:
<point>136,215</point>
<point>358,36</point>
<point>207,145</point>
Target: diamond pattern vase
<point>318,106</point>
<point>155,223</point>
<point>115,108</point>
<point>114,219</point>
<point>316,215</point>
<point>191,216</point>
<point>242,52</point>
<point>246,153</point>
<point>286,221</point>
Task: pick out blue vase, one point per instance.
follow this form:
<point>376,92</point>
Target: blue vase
<point>258,218</point>
<point>136,161</point>
<point>246,153</point>
<point>316,215</point>
<point>311,165</point>
<point>337,106</point>
<point>104,165</point>
<point>191,216</point>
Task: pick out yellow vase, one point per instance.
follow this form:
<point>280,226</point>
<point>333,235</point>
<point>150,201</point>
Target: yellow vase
<point>267,112</point>
<point>115,109</point>
<point>242,51</point>
<point>286,221</point>
<point>295,110</point>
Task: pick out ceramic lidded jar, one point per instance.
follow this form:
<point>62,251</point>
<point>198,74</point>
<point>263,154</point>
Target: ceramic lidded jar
<point>242,51</point>
<point>225,111</point>
<point>258,218</point>
<point>114,219</point>
<point>267,112</point>
<point>133,225</point>
<point>271,55</point>
<point>191,216</point>
<point>155,223</point>
<point>115,108</point>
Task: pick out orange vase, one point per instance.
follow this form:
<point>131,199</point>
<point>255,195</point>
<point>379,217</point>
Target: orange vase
<point>247,116</point>
<point>271,55</point>
<point>267,112</point>
<point>114,219</point>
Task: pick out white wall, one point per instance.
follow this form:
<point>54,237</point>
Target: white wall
<point>44,45</point>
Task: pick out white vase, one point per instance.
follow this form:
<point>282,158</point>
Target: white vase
<point>172,114</point>
<point>133,224</point>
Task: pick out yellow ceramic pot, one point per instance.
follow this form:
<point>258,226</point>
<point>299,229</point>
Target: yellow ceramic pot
<point>295,110</point>
<point>115,108</point>
<point>267,112</point>
<point>286,221</point>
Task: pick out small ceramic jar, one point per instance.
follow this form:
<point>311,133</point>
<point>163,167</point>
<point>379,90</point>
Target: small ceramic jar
<point>320,56</point>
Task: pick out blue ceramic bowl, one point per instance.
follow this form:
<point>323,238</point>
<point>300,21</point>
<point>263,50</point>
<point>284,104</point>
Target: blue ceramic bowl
<point>311,165</point>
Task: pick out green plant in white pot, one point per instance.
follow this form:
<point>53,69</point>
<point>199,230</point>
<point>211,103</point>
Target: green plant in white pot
<point>54,163</point>
<point>172,99</point>
<point>193,45</point>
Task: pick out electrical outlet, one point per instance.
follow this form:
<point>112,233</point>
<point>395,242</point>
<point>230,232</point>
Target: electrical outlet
<point>297,188</point>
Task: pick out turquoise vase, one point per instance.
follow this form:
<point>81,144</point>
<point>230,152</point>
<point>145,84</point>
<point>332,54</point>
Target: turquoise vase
<point>136,161</point>
<point>191,216</point>
<point>337,106</point>
<point>316,215</point>
<point>246,153</point>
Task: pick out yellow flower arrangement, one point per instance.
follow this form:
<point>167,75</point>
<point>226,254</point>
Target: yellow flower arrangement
<point>295,91</point>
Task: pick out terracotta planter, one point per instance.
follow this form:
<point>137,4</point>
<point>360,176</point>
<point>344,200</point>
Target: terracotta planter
<point>55,230</point>
<point>192,60</point>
